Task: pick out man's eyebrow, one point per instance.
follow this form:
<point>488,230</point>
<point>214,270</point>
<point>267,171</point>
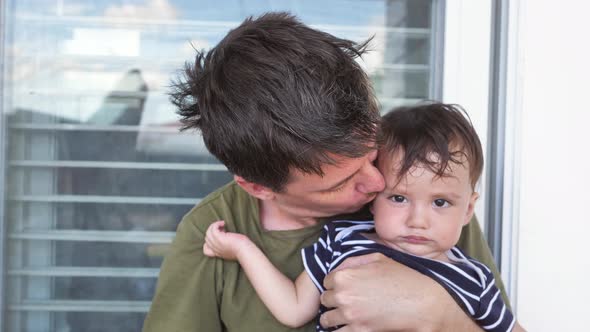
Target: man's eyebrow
<point>343,181</point>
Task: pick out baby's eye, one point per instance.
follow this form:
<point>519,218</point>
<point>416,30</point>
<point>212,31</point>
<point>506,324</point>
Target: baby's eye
<point>398,198</point>
<point>440,202</point>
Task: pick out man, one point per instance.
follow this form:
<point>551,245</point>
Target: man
<point>291,114</point>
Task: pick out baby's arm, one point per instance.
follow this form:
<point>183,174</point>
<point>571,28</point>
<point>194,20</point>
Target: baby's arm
<point>292,303</point>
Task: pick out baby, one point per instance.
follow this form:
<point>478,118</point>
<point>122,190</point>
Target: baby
<point>431,159</point>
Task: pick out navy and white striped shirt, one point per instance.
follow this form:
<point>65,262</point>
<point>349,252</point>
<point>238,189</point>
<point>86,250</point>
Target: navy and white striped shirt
<point>469,282</point>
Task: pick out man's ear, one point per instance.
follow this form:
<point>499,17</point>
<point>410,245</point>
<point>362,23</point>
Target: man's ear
<point>257,190</point>
<point>471,208</point>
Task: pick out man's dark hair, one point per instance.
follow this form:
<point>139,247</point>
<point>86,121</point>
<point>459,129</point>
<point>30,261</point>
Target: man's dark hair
<point>432,135</point>
<point>275,95</point>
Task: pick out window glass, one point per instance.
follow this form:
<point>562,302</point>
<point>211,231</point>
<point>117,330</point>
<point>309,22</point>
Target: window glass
<point>98,175</point>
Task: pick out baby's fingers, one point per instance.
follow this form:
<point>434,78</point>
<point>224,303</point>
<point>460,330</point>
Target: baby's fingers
<point>214,239</point>
<point>219,225</point>
<point>212,233</point>
<point>208,251</point>
<point>216,229</point>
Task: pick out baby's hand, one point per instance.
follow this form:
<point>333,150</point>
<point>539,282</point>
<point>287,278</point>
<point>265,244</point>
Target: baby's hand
<point>219,243</point>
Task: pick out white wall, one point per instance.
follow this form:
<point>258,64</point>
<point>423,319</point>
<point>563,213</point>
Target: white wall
<point>554,203</point>
<point>466,68</point>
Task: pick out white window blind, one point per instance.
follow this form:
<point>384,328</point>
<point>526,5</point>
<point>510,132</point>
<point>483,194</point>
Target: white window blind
<point>97,174</point>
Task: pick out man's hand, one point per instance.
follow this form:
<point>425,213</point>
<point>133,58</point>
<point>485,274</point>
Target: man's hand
<point>375,293</point>
<point>219,243</point>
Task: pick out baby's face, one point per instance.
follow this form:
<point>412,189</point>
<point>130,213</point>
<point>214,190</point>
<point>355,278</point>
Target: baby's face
<point>422,214</point>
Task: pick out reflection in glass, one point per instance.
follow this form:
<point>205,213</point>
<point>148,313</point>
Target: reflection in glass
<point>98,174</point>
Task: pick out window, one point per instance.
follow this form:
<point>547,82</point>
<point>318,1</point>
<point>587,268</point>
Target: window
<point>97,175</point>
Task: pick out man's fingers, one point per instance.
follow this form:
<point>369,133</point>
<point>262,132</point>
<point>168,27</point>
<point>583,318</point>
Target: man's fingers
<point>332,318</point>
<point>327,299</point>
<point>335,317</point>
<point>338,275</point>
<point>341,294</point>
<point>329,283</point>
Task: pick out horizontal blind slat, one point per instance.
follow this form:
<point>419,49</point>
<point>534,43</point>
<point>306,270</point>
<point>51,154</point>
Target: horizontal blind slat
<point>95,236</point>
<point>86,127</point>
<point>122,165</point>
<point>105,199</point>
<point>74,271</point>
<point>81,306</point>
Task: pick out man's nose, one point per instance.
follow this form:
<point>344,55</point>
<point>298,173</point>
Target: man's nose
<point>372,181</point>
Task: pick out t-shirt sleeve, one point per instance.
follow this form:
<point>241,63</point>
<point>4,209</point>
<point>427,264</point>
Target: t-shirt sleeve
<point>189,288</point>
<point>317,258</point>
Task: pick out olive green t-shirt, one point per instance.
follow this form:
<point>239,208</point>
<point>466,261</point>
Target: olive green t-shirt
<point>199,293</point>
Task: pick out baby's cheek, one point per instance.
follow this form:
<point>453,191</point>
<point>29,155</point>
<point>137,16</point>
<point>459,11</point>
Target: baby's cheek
<point>448,240</point>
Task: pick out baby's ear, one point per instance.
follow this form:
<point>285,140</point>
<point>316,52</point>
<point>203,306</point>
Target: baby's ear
<point>254,189</point>
<point>470,208</point>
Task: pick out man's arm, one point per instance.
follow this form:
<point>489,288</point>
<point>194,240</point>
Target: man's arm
<point>375,293</point>
<point>186,298</point>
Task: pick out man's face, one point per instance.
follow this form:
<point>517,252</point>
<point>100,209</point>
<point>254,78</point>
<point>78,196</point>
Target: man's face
<point>345,187</point>
<point>422,214</point>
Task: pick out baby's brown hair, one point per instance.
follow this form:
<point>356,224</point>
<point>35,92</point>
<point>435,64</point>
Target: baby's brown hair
<point>421,131</point>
